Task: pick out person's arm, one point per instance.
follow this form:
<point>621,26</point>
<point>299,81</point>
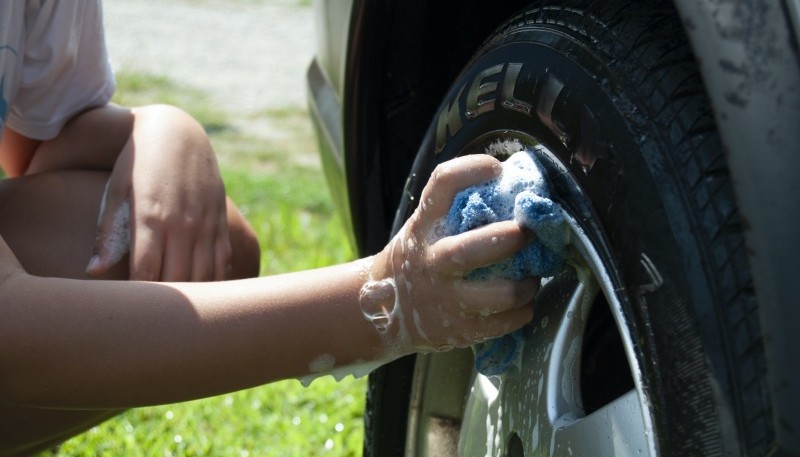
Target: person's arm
<point>112,344</point>
<point>164,168</point>
<point>109,344</point>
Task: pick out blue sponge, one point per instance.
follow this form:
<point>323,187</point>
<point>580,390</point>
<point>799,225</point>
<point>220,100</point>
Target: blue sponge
<point>520,193</point>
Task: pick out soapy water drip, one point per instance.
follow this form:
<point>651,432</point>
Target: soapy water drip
<point>117,241</point>
<point>358,370</point>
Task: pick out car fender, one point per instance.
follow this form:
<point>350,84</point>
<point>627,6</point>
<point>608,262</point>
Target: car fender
<point>748,55</point>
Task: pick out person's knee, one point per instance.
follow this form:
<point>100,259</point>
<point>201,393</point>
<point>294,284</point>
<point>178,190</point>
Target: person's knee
<point>168,121</point>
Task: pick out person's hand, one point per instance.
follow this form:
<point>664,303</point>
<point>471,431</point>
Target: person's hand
<point>167,183</point>
<point>417,296</point>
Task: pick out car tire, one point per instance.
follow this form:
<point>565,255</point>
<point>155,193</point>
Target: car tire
<point>609,95</point>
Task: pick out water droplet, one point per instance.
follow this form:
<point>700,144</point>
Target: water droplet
<point>169,415</point>
<point>177,438</point>
<point>339,427</point>
<point>439,230</point>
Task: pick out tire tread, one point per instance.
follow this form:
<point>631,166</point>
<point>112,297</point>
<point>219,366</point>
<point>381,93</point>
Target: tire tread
<point>665,70</point>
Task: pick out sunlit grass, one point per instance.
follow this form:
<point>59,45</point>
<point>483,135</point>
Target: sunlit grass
<point>276,181</point>
<point>293,219</point>
<point>281,419</point>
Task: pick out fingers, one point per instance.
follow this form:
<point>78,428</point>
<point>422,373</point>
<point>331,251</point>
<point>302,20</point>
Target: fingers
<point>147,247</point>
<point>211,251</point>
<point>477,329</point>
<point>496,296</point>
<point>207,264</point>
<point>180,257</point>
<point>482,246</point>
<point>179,254</point>
<point>453,176</point>
<point>221,249</point>
<point>497,325</point>
<point>188,254</point>
<point>222,257</point>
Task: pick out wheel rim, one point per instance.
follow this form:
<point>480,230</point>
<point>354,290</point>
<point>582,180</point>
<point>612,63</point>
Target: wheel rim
<point>558,400</point>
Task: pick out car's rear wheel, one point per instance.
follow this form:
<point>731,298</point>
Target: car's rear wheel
<point>649,342</point>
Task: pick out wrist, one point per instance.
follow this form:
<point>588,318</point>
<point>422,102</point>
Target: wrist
<point>380,301</point>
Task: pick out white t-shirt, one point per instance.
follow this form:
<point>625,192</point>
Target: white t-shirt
<point>53,63</point>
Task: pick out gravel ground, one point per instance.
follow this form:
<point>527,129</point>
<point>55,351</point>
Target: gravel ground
<point>248,55</point>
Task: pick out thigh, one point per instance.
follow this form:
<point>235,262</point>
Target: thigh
<point>49,220</point>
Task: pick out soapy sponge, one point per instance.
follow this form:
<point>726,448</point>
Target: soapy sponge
<point>520,193</point>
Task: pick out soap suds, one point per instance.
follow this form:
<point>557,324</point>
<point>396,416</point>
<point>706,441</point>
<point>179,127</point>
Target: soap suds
<point>116,242</point>
<point>322,363</point>
<point>358,370</point>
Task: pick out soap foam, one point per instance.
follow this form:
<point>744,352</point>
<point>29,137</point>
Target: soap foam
<point>521,193</point>
<point>116,242</point>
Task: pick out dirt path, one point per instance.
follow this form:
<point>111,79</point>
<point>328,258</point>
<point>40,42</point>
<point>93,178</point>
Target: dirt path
<point>248,55</point>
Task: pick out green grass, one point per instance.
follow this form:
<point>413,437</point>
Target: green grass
<point>276,181</point>
<point>292,218</point>
<point>281,419</point>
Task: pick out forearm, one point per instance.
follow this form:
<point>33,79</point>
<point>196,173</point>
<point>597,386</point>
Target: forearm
<point>87,344</point>
<point>90,344</point>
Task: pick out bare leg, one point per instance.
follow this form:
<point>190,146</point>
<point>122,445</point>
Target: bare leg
<point>49,221</point>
